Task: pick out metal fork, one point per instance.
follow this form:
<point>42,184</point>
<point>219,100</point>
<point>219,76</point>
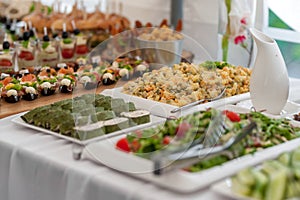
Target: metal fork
<point>166,163</point>
<point>199,102</point>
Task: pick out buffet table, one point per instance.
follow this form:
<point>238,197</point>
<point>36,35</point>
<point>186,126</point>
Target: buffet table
<point>36,166</point>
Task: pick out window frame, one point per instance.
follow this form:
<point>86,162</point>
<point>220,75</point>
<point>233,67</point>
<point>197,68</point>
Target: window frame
<point>262,23</point>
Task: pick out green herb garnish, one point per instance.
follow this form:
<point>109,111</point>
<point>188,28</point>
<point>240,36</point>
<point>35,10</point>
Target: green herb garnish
<point>45,45</point>
<point>67,41</point>
<point>32,8</point>
<point>137,62</point>
<point>49,10</point>
<point>25,43</point>
<point>129,67</point>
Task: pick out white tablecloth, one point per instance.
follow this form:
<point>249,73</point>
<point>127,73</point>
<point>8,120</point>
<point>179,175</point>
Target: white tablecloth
<point>37,166</point>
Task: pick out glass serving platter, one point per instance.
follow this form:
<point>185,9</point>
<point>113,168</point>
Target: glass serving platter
<point>186,182</point>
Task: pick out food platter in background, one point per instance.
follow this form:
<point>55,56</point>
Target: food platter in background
<point>87,118</point>
<point>165,89</point>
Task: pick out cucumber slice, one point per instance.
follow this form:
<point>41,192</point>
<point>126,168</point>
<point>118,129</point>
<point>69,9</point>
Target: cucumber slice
<point>295,159</point>
<point>293,189</point>
<point>240,188</point>
<point>277,174</point>
<point>296,173</point>
<point>261,181</point>
<point>245,177</point>
<point>285,158</point>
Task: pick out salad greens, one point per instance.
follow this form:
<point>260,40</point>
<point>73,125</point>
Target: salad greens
<point>184,130</point>
<point>215,64</point>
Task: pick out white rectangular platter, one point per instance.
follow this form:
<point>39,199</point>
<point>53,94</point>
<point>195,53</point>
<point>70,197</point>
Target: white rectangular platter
<point>224,189</point>
<point>104,152</point>
<point>153,120</point>
<point>164,110</point>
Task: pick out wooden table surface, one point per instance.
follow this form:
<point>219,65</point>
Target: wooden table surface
<point>7,109</point>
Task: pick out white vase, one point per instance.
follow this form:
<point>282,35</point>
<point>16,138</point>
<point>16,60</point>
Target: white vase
<point>269,82</point>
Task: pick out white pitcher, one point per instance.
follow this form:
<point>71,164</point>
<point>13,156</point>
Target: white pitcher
<point>269,82</point>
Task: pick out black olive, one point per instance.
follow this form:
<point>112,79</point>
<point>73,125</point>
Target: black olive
<point>29,96</point>
<point>54,35</point>
<point>47,91</point>
<point>17,76</point>
<point>46,38</point>
<point>66,67</point>
<point>31,33</point>
<point>65,89</point>
<point>108,81</point>
<point>138,73</point>
<point>64,35</point>
<point>12,31</point>
<point>5,45</point>
<point>75,67</point>
<point>26,35</point>
<point>90,85</point>
<point>7,26</point>
<point>126,77</point>
<point>12,99</point>
<point>76,31</point>
<point>48,70</point>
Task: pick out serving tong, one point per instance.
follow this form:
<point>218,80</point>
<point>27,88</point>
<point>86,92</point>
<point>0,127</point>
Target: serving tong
<point>167,161</point>
<point>199,102</point>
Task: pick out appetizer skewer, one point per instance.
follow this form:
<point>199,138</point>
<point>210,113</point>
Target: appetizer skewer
<point>12,90</point>
<point>29,84</point>
<point>67,79</point>
<point>47,81</point>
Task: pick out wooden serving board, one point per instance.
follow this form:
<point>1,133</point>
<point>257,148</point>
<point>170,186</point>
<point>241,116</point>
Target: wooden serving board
<point>7,109</point>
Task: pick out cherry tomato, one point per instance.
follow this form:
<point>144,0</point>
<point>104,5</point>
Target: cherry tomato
<point>5,62</point>
<point>122,144</point>
<point>26,55</point>
<point>135,145</point>
<point>234,117</point>
<point>182,129</point>
<point>82,49</point>
<point>67,53</point>
<point>167,140</point>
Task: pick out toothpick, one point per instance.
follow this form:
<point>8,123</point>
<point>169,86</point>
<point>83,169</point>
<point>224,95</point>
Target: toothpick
<point>25,27</point>
<point>5,37</point>
<point>45,31</point>
<point>121,8</point>
<point>30,25</point>
<point>113,6</point>
<point>73,24</point>
<point>64,27</point>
